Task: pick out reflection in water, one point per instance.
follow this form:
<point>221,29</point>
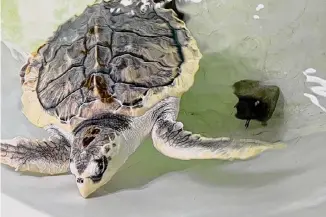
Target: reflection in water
<point>319,90</point>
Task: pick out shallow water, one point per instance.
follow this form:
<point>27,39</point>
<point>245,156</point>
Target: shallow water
<point>284,44</point>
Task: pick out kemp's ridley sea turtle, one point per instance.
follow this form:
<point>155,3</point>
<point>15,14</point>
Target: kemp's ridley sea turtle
<point>103,82</point>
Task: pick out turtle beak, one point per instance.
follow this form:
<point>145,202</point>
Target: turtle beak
<point>87,187</point>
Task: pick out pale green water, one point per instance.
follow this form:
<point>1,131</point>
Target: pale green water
<point>29,23</point>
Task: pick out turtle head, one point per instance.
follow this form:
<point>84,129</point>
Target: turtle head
<point>93,157</point>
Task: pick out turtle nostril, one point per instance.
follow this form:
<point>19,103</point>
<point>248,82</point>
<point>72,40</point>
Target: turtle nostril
<point>80,180</point>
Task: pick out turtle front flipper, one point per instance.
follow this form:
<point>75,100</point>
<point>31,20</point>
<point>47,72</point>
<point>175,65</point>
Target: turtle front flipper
<point>49,156</point>
<point>171,140</point>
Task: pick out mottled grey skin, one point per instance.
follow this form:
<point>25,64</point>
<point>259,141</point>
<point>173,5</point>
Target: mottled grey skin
<point>94,75</point>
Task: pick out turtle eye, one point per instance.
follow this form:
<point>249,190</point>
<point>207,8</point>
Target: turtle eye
<point>96,178</point>
<point>102,165</point>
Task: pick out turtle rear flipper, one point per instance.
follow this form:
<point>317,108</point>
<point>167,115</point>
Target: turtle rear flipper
<point>49,156</point>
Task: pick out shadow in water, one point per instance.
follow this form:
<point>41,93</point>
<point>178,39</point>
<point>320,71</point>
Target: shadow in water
<point>146,165</point>
<point>238,179</point>
<point>208,107</point>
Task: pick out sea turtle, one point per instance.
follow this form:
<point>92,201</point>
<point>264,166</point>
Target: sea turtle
<point>104,81</point>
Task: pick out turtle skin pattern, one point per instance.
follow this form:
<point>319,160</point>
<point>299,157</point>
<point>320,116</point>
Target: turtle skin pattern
<point>110,53</point>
